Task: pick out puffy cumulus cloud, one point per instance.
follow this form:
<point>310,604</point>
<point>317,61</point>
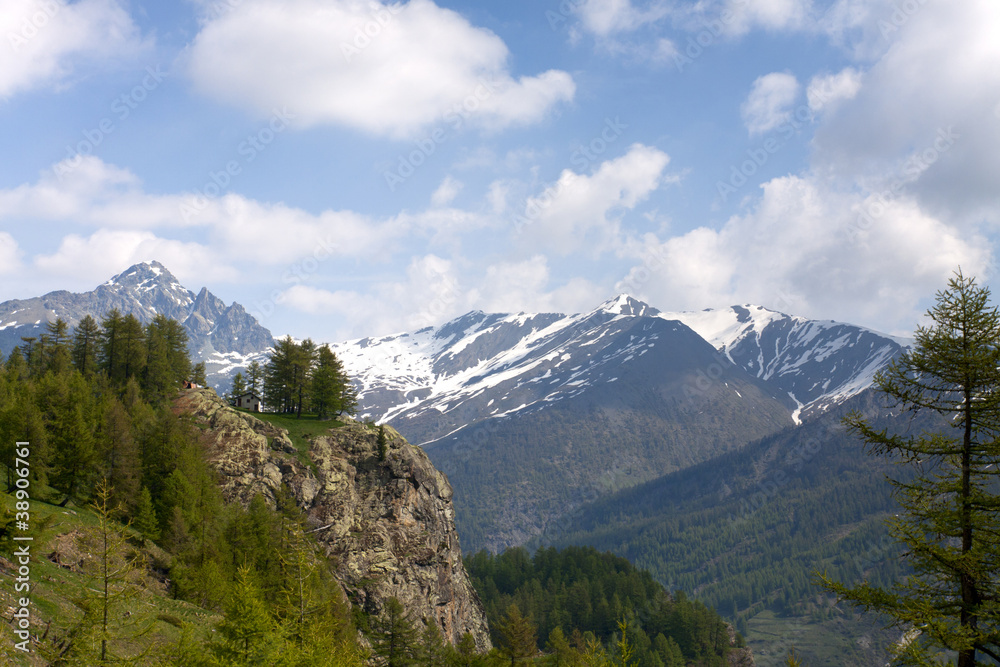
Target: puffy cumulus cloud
<point>830,89</point>
<point>813,252</point>
<point>937,78</point>
<point>92,193</point>
<point>604,18</point>
<point>46,40</point>
<point>89,260</point>
<point>581,210</point>
<point>768,14</point>
<point>770,102</point>
<point>527,286</point>
<point>385,69</point>
<point>10,254</point>
<point>434,290</point>
<point>430,292</point>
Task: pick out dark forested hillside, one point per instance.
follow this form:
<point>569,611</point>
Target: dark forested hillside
<point>744,532</point>
<point>115,489</point>
<point>578,595</point>
<point>656,413</point>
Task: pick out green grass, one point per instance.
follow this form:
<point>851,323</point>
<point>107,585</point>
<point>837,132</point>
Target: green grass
<point>55,590</point>
<point>300,431</point>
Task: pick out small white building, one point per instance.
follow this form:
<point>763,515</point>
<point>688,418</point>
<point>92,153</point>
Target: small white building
<point>249,401</point>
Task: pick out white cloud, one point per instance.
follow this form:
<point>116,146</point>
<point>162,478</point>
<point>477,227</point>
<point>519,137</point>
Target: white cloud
<point>525,286</point>
<point>434,290</point>
<point>10,254</point>
<point>827,90</point>
<point>937,77</point>
<point>45,41</point>
<point>446,192</point>
<point>770,101</point>
<point>385,69</point>
<point>582,210</point>
<point>93,259</point>
<point>430,293</point>
<point>810,251</point>
<point>768,14</point>
<point>607,17</point>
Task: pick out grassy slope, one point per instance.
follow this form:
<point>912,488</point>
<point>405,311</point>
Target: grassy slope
<point>55,589</point>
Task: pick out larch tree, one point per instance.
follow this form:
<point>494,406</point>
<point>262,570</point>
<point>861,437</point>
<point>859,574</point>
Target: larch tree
<point>949,519</point>
<point>86,342</point>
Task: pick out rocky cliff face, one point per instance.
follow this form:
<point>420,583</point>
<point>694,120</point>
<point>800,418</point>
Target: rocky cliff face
<point>387,526</point>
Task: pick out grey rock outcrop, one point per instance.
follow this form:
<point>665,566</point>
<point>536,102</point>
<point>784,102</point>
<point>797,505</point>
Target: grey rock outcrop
<point>387,526</point>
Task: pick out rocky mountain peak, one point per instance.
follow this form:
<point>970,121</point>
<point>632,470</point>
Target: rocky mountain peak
<point>623,304</point>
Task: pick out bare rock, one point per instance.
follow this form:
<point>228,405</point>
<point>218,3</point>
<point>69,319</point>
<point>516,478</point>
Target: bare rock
<point>388,526</point>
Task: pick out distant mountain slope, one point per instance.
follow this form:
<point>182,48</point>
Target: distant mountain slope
<point>222,336</point>
<point>533,414</point>
<point>745,531</point>
<point>812,364</point>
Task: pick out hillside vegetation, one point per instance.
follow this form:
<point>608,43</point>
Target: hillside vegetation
<point>746,532</point>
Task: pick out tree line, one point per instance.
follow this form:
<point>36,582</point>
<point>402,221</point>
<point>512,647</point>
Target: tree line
<point>578,606</point>
<point>95,404</point>
<point>300,377</point>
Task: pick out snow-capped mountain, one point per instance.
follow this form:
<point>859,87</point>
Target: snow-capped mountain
<point>436,380</point>
<point>532,415</point>
<point>225,337</point>
<point>482,366</point>
<point>812,364</point>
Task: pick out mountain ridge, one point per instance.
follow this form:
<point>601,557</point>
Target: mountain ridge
<point>224,336</point>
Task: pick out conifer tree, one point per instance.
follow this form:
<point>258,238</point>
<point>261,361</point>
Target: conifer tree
<point>248,632</point>
<point>517,635</point>
<point>120,454</point>
<point>239,386</point>
<point>949,520</point>
<point>86,342</point>
<point>327,377</point>
<point>112,618</point>
<point>393,637</point>
<point>145,516</point>
<point>432,650</point>
<point>255,377</point>
<point>57,349</point>
<point>383,443</point>
<point>561,654</point>
<point>110,349</point>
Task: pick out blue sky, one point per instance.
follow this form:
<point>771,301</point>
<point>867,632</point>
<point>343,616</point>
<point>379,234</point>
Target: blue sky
<point>349,167</point>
